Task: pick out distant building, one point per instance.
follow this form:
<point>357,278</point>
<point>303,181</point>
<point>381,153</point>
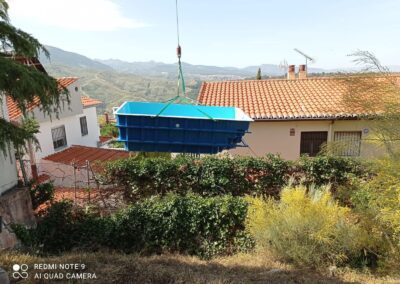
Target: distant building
<point>76,124</point>
<point>293,116</point>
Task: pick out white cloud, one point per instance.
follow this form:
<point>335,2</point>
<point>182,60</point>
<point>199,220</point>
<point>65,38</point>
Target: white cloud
<point>83,15</point>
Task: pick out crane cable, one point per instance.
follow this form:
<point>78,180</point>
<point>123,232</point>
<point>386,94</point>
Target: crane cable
<point>180,74</point>
<point>179,53</point>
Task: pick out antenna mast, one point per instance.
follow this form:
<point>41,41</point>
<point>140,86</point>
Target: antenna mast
<point>284,66</point>
<point>308,58</point>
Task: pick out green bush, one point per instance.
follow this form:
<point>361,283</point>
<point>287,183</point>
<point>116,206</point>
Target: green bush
<point>41,193</point>
<point>109,130</point>
<point>63,226</point>
<point>328,169</point>
<point>377,203</point>
<point>215,175</point>
<point>309,229</point>
<point>208,176</point>
<point>186,224</point>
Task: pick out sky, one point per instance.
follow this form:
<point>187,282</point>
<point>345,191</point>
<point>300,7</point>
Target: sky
<point>216,32</point>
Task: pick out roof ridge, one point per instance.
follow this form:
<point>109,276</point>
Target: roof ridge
<point>68,77</point>
<point>334,77</point>
<point>314,97</point>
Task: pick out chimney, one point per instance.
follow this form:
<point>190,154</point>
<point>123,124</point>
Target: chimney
<point>106,118</point>
<point>302,71</point>
<point>291,73</point>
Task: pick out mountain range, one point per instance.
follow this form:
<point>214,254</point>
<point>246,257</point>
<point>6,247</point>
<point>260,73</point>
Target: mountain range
<point>153,68</point>
<point>114,81</point>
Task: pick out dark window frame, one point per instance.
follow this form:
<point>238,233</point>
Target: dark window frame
<point>311,142</point>
<point>59,140</point>
<point>84,126</point>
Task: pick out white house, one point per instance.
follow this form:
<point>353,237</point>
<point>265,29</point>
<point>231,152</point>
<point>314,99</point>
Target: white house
<point>8,169</point>
<point>75,125</point>
<point>294,116</point>
<point>15,203</point>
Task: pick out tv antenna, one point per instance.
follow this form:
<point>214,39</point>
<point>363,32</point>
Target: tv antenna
<point>283,65</point>
<point>308,58</point>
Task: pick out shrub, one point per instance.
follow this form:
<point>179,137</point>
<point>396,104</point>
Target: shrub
<point>187,224</point>
<point>41,193</point>
<point>208,176</point>
<point>308,229</point>
<point>377,202</point>
<point>63,226</point>
<point>109,130</point>
<point>328,169</point>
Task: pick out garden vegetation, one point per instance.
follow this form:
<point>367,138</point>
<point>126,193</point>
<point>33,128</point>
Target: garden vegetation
<point>315,212</point>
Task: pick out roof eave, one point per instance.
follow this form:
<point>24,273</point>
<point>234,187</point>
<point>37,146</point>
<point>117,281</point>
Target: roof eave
<point>309,118</point>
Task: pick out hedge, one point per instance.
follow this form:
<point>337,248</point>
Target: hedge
<point>213,175</point>
<point>188,224</point>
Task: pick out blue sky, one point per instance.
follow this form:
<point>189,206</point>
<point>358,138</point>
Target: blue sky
<point>216,32</point>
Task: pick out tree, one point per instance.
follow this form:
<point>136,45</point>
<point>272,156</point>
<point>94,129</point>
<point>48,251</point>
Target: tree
<point>24,84</point>
<point>375,92</point>
<point>258,76</point>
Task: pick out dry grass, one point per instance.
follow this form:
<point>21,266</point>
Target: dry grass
<point>243,268</point>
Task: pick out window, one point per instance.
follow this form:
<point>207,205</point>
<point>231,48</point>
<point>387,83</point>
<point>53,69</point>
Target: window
<point>348,143</point>
<point>311,142</point>
<point>59,137</point>
<point>84,129</point>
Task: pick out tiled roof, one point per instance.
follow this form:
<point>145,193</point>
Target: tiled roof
<point>13,110</point>
<point>87,102</point>
<point>28,61</point>
<point>81,154</point>
<point>281,99</point>
<point>66,81</point>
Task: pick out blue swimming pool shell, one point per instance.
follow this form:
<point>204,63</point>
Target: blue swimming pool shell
<point>180,128</point>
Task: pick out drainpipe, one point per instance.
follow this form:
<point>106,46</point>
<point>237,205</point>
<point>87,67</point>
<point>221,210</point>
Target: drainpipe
<point>330,131</point>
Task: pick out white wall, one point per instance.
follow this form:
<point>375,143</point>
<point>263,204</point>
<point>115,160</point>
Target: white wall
<point>93,127</point>
<point>274,136</point>
<point>73,132</point>
<point>74,107</point>
<point>8,169</point>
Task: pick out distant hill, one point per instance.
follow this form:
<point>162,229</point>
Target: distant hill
<point>71,59</point>
<point>152,68</point>
<point>114,88</point>
<point>114,81</point>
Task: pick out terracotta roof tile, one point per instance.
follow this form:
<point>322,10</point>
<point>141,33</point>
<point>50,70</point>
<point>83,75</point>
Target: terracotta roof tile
<point>87,102</point>
<point>14,111</point>
<point>81,154</point>
<point>28,61</point>
<point>275,99</point>
<point>66,81</point>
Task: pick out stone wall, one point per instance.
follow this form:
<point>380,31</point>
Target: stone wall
<point>15,207</point>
